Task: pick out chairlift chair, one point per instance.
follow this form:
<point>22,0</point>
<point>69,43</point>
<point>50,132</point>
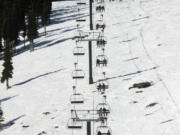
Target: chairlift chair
<point>81,3</point>
<point>74,124</point>
<point>98,26</point>
<point>79,51</point>
<point>78,74</point>
<point>104,106</point>
<point>100,23</point>
<point>77,98</point>
<point>81,34</point>
<point>101,42</point>
<point>103,130</point>
<point>102,85</point>
<point>101,60</point>
<point>100,8</point>
<point>80,20</point>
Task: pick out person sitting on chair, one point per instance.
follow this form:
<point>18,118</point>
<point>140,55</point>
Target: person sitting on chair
<point>97,26</point>
<point>103,86</point>
<point>97,62</point>
<point>108,132</point>
<point>104,62</point>
<point>104,111</point>
<point>99,133</point>
<point>103,8</point>
<point>99,87</point>
<point>100,112</point>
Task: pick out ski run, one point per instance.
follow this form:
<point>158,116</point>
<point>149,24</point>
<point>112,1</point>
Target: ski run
<point>142,46</point>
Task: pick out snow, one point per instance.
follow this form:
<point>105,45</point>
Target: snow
<point>143,45</point>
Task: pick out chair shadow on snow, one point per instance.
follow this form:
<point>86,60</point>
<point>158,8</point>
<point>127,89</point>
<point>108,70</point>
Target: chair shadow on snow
<point>63,11</point>
<point>36,77</point>
<point>53,43</point>
<point>166,121</point>
<point>67,18</point>
<point>134,73</point>
<point>66,10</point>
<point>7,98</point>
<point>10,123</point>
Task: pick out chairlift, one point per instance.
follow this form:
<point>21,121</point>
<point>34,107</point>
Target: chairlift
<point>79,51</point>
<point>77,98</point>
<point>103,130</point>
<point>102,85</point>
<point>101,42</point>
<point>99,25</point>
<point>78,74</point>
<point>100,8</point>
<point>74,124</point>
<point>79,37</point>
<point>81,34</point>
<point>101,60</point>
<point>105,107</point>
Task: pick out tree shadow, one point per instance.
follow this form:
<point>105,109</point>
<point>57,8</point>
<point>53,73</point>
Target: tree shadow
<point>36,77</point>
<point>10,123</point>
<point>54,43</point>
<point>7,98</point>
<point>26,48</point>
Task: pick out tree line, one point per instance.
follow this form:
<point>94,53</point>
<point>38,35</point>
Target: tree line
<point>20,18</point>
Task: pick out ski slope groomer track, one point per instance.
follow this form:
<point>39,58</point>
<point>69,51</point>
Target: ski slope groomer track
<point>143,45</point>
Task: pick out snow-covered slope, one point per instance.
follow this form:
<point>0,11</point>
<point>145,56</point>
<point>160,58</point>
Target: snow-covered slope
<point>143,45</point>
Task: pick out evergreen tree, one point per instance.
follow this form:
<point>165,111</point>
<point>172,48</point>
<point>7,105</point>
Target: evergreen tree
<point>45,14</point>
<point>8,68</point>
<point>49,10</point>
<point>24,29</point>
<point>1,117</point>
<point>32,32</point>
<point>1,10</point>
<point>1,46</point>
<point>9,33</point>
